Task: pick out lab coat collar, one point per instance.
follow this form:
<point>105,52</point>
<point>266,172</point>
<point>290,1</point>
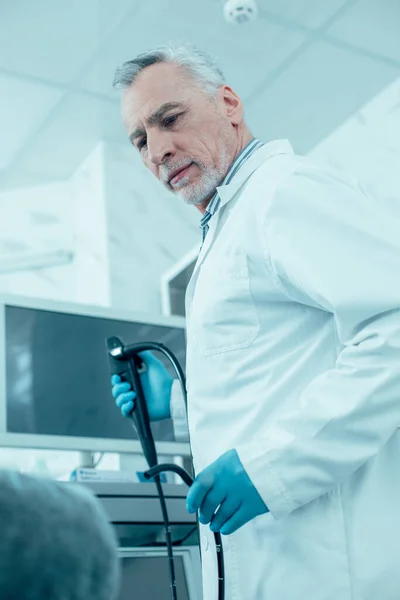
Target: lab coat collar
<point>227,192</point>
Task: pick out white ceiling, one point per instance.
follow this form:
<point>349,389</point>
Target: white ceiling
<point>302,69</point>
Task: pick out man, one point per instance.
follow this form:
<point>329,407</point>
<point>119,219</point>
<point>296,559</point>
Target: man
<point>293,357</point>
<point>56,543</point>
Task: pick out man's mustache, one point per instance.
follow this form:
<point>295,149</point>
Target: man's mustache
<point>170,169</point>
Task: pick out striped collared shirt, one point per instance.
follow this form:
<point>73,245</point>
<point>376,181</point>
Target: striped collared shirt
<point>215,201</point>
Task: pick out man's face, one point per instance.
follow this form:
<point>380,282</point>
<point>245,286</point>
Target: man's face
<point>187,139</point>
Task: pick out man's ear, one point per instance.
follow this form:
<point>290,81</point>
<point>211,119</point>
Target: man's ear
<point>233,107</point>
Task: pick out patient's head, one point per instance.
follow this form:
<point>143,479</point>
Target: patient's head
<point>55,542</point>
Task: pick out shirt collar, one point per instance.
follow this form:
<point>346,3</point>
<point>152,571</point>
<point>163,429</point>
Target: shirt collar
<point>237,164</point>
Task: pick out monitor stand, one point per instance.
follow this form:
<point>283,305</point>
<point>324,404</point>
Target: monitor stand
<point>86,460</point>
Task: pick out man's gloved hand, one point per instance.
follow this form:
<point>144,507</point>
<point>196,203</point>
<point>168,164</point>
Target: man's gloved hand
<point>156,382</point>
<point>226,484</point>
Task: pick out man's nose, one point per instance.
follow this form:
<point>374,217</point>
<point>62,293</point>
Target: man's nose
<point>159,148</point>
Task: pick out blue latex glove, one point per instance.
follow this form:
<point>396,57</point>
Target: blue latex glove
<point>156,383</point>
<point>226,484</point>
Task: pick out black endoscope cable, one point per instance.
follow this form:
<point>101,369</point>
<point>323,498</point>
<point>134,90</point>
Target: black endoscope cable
<point>155,471</point>
<point>181,472</point>
<point>217,536</point>
<point>168,536</point>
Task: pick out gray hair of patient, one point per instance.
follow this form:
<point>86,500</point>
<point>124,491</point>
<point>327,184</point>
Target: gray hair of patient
<point>198,64</point>
<point>56,543</point>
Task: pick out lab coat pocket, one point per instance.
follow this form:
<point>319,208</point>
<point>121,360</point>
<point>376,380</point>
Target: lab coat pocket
<point>225,316</point>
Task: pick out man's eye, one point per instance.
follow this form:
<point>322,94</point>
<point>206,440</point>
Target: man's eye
<point>141,143</point>
<point>170,120</point>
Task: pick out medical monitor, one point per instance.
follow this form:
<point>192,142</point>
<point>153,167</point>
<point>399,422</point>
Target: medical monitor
<point>145,574</point>
<point>55,381</point>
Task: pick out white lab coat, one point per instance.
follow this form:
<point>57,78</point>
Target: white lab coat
<point>293,321</point>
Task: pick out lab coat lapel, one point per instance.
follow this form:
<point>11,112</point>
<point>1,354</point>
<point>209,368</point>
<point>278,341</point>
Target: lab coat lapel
<point>200,259</point>
<point>226,193</point>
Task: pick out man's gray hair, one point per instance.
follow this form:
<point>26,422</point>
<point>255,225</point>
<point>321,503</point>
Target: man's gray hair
<point>55,544</point>
<point>199,65</point>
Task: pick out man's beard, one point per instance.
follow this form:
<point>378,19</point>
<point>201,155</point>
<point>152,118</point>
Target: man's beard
<point>205,186</point>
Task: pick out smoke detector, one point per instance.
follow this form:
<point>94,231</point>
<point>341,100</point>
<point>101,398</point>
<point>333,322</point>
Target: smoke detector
<point>240,11</point>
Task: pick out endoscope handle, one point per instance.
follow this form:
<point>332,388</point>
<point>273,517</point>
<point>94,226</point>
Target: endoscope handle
<point>140,414</point>
<point>129,369</point>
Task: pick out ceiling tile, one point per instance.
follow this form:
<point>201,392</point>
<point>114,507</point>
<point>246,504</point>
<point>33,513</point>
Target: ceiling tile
<point>109,14</point>
<point>321,89</point>
<point>23,107</point>
<point>373,25</point>
<point>311,13</point>
<point>246,54</point>
<point>56,40</point>
<point>68,136</point>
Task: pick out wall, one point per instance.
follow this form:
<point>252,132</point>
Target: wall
<point>148,230</point>
<point>120,228</point>
<point>63,220</point>
<point>36,222</point>
<point>90,231</point>
<point>368,146</point>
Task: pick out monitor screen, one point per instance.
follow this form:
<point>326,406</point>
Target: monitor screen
<point>57,374</point>
<point>145,578</point>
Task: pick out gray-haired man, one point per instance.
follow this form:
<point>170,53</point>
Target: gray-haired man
<point>293,346</point>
